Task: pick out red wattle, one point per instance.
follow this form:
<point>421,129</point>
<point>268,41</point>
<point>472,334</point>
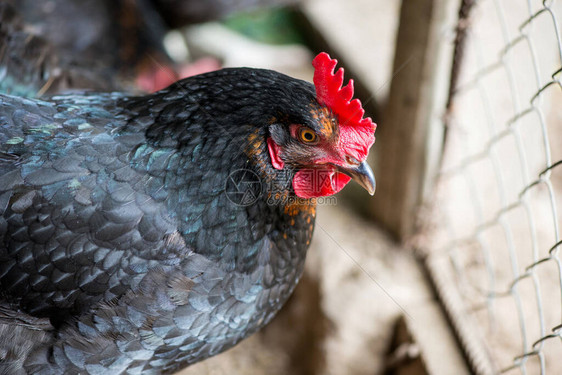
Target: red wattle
<point>313,183</point>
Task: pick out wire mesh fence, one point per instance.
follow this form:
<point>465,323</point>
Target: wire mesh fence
<point>499,195</point>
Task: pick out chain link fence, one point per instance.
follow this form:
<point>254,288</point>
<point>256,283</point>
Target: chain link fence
<point>496,244</point>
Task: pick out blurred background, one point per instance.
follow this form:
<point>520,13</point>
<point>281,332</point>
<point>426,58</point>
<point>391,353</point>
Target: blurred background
<point>453,267</point>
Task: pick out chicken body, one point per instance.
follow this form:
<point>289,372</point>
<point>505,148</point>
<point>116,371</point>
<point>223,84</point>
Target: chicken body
<point>120,251</point>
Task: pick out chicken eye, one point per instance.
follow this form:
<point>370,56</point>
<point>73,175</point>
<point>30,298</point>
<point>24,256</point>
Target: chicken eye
<point>307,136</point>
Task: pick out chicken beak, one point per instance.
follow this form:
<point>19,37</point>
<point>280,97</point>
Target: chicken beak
<point>363,174</point>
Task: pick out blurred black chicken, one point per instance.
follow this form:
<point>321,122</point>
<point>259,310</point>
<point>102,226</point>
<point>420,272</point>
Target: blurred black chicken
<point>125,245</point>
<point>55,45</point>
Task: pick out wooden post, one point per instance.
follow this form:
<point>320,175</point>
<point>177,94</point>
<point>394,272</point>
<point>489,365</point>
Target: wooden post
<point>410,135</point>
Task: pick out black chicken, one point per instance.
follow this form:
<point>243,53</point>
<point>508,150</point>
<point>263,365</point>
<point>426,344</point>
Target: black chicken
<point>121,249</point>
<point>55,45</point>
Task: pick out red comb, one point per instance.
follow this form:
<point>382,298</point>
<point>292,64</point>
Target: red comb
<point>356,132</point>
<point>329,92</point>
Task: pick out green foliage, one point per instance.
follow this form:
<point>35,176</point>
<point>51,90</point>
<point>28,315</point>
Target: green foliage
<point>272,26</point>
